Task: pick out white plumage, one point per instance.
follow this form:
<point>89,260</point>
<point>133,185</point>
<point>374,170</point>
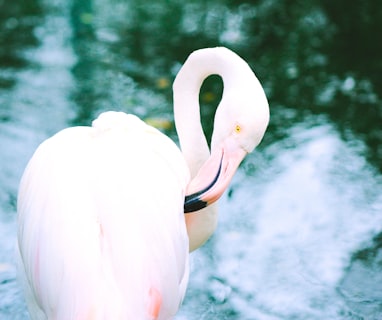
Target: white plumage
<point>90,221</point>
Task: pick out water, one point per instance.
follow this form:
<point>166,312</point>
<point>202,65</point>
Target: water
<point>299,233</point>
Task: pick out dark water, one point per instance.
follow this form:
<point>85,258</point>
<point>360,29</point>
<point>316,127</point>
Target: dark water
<point>300,231</point>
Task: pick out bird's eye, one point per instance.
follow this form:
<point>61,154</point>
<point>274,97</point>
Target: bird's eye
<point>237,128</point>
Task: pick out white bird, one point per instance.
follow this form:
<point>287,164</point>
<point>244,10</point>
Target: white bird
<point>102,230</point>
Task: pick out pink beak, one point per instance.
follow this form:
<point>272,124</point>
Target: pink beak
<point>214,176</point>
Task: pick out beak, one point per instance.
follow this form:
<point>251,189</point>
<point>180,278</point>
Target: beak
<point>214,176</point>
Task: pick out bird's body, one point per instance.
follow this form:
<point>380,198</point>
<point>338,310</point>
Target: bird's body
<point>102,231</point>
<point>114,240</point>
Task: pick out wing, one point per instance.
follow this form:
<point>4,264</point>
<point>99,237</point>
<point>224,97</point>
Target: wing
<point>101,224</point>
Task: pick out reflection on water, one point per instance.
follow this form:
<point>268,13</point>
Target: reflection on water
<point>300,228</point>
<point>358,286</point>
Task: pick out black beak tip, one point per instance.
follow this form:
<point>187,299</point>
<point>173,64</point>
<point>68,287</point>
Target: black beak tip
<point>193,203</point>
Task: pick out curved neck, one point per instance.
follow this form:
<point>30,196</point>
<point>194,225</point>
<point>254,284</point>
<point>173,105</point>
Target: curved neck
<point>199,65</point>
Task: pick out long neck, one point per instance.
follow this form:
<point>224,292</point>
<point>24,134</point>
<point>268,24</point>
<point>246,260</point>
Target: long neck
<point>199,65</point>
<point>186,87</point>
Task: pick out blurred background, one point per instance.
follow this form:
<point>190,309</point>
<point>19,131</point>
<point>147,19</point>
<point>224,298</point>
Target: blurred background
<point>300,230</point>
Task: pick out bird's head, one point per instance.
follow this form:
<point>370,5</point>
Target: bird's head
<point>240,123</point>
